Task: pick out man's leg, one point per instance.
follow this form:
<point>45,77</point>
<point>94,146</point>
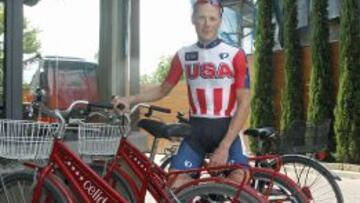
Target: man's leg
<point>185,159</point>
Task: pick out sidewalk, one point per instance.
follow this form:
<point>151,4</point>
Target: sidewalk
<point>344,170</point>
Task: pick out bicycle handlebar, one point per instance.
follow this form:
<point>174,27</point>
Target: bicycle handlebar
<point>150,107</point>
<point>61,115</point>
<point>103,105</point>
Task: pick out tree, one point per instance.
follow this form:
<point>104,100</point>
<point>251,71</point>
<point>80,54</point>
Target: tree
<point>31,43</point>
<point>262,107</point>
<point>321,88</point>
<point>292,98</point>
<point>347,112</point>
<point>160,73</point>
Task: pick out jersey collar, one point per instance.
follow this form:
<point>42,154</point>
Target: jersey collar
<point>209,45</point>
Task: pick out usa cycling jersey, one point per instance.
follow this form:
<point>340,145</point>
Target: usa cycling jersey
<point>213,72</point>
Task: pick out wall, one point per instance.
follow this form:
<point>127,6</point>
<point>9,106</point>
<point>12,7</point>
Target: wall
<point>177,101</point>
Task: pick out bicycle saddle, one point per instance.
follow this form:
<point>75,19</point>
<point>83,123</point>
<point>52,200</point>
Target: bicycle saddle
<point>262,133</point>
<point>161,130</point>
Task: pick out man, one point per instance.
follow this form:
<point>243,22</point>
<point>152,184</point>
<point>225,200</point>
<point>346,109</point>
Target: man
<point>218,94</point>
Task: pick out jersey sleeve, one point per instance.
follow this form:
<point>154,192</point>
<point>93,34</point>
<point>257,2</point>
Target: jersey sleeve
<point>241,70</point>
<point>175,71</point>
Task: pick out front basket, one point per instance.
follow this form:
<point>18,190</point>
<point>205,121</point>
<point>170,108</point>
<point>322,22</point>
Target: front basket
<point>25,140</point>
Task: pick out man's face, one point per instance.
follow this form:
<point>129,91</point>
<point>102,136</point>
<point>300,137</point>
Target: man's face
<point>207,21</point>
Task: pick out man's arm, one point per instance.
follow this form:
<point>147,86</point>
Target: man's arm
<point>239,118</point>
<point>152,94</point>
<point>221,154</point>
<point>158,92</point>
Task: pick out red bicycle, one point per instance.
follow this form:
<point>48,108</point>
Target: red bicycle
<point>273,185</point>
<point>293,157</point>
<point>134,174</point>
<point>24,140</point>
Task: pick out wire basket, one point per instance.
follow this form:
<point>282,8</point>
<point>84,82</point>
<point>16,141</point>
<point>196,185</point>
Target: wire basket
<point>98,138</point>
<point>304,137</point>
<point>26,140</point>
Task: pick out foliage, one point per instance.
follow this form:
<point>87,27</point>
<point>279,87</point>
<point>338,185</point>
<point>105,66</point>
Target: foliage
<point>321,87</point>
<point>347,112</point>
<point>262,107</point>
<point>31,43</point>
<point>160,73</point>
<point>292,97</point>
<point>321,92</point>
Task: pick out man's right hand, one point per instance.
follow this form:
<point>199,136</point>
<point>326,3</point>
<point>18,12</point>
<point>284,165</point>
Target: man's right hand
<point>121,104</point>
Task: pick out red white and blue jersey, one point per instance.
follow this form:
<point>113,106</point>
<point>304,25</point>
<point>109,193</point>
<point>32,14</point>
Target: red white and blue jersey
<point>214,72</point>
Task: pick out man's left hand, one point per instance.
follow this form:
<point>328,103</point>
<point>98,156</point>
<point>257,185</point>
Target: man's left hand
<point>219,157</point>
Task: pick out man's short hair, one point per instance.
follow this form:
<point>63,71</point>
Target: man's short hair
<point>216,3</point>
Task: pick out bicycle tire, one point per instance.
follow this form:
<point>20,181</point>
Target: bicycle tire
<point>24,182</point>
<point>122,186</point>
<point>281,187</point>
<point>217,192</point>
<point>303,166</point>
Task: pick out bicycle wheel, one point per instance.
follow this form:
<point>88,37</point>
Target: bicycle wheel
<point>314,178</point>
<point>120,184</point>
<point>18,187</point>
<point>278,188</point>
<point>217,192</point>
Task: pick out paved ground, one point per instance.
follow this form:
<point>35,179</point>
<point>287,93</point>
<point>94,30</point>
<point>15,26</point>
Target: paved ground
<point>350,183</point>
<point>350,189</point>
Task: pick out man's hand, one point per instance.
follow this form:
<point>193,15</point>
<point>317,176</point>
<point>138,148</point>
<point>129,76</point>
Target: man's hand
<point>219,157</point>
<point>121,105</point>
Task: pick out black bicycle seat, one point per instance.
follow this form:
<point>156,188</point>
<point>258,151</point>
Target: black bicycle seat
<point>162,130</point>
<point>262,133</point>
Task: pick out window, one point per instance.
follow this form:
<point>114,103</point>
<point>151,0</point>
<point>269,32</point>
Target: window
<point>64,36</point>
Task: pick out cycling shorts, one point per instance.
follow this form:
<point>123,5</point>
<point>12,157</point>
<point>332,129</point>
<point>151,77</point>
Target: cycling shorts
<point>206,135</point>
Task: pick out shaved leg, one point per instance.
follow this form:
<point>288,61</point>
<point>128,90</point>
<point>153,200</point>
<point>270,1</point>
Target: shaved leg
<point>239,176</point>
<point>180,179</point>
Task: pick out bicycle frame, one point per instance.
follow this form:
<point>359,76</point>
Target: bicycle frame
<point>86,183</point>
<point>143,170</point>
<point>150,175</point>
<point>273,172</point>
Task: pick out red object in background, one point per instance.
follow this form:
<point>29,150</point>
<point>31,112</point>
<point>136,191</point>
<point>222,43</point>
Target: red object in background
<point>47,119</point>
<point>321,155</point>
<point>69,82</point>
<point>64,80</point>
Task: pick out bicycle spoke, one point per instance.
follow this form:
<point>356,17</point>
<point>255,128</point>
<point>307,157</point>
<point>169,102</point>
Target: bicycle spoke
<point>325,199</point>
<point>301,172</point>
<point>5,190</point>
<point>21,190</point>
<point>313,183</point>
<point>313,178</point>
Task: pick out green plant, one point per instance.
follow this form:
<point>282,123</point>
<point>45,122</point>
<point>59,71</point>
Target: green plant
<point>292,96</point>
<point>321,89</point>
<point>31,43</point>
<point>160,73</point>
<point>262,106</point>
<point>347,112</point>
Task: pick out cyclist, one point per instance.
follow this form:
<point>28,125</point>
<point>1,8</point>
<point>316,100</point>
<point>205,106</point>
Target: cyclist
<point>218,93</point>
